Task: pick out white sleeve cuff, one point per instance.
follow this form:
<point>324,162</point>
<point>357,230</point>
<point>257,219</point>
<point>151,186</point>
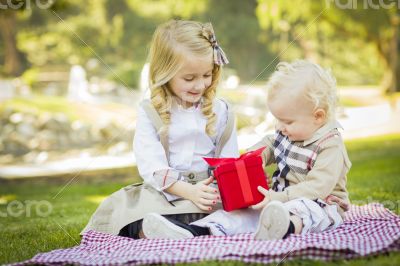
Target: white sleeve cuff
<point>166,178</point>
<point>170,197</point>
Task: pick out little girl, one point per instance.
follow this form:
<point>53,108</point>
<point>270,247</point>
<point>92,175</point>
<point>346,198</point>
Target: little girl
<point>309,186</point>
<point>181,123</point>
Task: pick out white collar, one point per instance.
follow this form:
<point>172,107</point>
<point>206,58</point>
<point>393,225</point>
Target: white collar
<point>178,106</point>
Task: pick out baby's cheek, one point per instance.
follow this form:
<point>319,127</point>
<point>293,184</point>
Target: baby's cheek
<point>299,133</point>
<point>306,134</point>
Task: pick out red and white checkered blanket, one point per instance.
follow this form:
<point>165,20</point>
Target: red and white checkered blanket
<point>368,230</point>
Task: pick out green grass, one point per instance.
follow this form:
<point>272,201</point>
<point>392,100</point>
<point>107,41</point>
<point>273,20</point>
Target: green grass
<point>375,176</point>
<point>351,102</point>
<point>39,104</point>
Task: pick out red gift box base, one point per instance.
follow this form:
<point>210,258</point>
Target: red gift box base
<point>238,182</point>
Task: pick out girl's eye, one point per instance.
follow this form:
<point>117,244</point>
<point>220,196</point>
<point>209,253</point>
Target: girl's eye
<point>207,76</point>
<point>188,79</point>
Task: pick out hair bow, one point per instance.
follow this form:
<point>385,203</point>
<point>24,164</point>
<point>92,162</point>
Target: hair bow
<point>219,55</point>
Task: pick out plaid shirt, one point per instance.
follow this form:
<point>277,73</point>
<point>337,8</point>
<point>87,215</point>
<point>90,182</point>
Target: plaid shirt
<point>294,156</point>
<point>313,168</point>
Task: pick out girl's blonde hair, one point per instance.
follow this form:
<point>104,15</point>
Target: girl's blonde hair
<point>317,84</point>
<point>171,42</point>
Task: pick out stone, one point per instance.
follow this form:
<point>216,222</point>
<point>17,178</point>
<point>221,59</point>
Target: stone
<point>16,118</point>
<point>25,129</point>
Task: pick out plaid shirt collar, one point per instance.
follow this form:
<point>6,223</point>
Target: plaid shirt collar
<point>322,131</point>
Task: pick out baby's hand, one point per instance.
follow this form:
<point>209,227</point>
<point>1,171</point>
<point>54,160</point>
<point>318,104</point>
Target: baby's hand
<point>331,199</point>
<point>265,201</point>
<point>203,195</point>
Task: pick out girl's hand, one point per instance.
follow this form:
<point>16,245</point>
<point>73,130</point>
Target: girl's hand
<point>203,195</point>
<point>265,201</point>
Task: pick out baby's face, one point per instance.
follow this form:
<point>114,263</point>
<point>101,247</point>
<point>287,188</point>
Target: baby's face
<point>296,117</point>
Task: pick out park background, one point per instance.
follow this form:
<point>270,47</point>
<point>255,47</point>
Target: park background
<point>72,74</point>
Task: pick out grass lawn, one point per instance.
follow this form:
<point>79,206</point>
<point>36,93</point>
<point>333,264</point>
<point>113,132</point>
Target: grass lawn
<point>375,176</point>
<point>38,105</point>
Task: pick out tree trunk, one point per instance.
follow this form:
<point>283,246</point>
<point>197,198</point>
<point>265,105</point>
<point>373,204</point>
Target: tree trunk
<point>390,78</point>
<point>398,69</point>
<point>12,60</point>
<point>395,54</point>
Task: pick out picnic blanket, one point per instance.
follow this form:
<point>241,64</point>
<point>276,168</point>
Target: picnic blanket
<point>368,230</point>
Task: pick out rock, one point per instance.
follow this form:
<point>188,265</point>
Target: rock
<point>77,124</point>
<point>41,157</point>
<point>16,118</point>
<point>43,120</point>
<point>104,131</point>
<point>15,145</point>
<point>25,135</point>
<point>26,130</point>
<point>33,143</point>
<point>64,140</point>
<point>36,157</point>
<point>57,123</point>
<point>81,136</point>
<point>47,140</point>
<point>30,157</point>
<point>7,130</point>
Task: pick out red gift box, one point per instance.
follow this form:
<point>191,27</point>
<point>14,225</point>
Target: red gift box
<point>238,179</point>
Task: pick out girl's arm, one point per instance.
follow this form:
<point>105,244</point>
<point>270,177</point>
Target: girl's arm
<point>153,167</point>
<point>150,156</point>
<point>201,194</point>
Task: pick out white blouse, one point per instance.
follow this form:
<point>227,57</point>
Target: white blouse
<point>188,144</point>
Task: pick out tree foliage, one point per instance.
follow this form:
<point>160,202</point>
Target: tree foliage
<point>358,43</point>
<point>354,36</point>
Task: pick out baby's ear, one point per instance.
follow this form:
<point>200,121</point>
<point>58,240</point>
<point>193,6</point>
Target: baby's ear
<point>320,115</point>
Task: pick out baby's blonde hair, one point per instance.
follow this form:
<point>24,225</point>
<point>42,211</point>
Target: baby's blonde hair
<point>171,42</point>
<point>317,84</point>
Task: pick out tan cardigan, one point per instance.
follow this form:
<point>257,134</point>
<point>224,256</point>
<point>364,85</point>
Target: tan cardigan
<point>327,176</point>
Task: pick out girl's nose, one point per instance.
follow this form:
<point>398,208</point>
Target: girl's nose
<point>200,85</point>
